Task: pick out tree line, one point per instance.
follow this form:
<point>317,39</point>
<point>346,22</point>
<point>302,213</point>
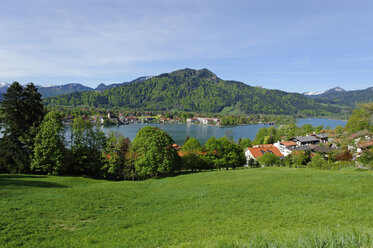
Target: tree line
<point>34,141</point>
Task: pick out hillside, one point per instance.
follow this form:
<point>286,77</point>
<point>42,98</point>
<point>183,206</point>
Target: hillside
<point>55,90</point>
<point>196,91</point>
<point>102,87</point>
<point>48,91</point>
<point>345,98</point>
<point>265,207</point>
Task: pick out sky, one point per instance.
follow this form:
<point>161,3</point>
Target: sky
<point>296,46</point>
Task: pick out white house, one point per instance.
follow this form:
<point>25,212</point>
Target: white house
<point>283,149</point>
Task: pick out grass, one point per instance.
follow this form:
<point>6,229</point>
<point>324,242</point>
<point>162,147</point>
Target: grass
<point>265,207</point>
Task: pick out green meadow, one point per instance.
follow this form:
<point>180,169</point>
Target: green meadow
<point>264,207</point>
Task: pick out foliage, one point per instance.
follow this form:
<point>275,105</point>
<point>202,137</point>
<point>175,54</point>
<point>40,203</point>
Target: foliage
<point>154,153</point>
<point>21,111</point>
<point>87,144</point>
<point>299,158</point>
<point>49,150</point>
<point>358,121</point>
<point>266,136</point>
<point>191,145</point>
<point>366,157</point>
<point>316,162</point>
<point>194,91</point>
<point>269,159</point>
<point>118,164</point>
<point>244,143</point>
<point>224,153</point>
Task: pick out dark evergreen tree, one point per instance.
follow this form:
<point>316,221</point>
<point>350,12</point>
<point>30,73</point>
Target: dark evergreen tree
<point>21,111</point>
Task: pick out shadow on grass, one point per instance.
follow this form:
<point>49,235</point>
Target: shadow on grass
<point>13,181</point>
<point>21,176</point>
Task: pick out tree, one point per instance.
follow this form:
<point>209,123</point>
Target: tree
<point>316,162</point>
<point>244,143</point>
<point>21,111</point>
<point>87,144</point>
<point>224,153</point>
<point>266,136</point>
<point>359,120</point>
<point>154,153</point>
<point>49,150</point>
<point>117,163</point>
<point>192,158</point>
<point>192,145</point>
<point>269,159</point>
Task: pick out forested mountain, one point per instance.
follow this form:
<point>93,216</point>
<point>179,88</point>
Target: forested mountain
<point>346,98</point>
<point>102,87</point>
<point>55,90</point>
<point>197,91</point>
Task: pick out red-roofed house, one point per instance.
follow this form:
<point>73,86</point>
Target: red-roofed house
<point>260,150</point>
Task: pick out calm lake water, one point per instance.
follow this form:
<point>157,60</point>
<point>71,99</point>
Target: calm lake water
<point>203,132</point>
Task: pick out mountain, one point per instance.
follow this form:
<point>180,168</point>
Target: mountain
<point>196,91</point>
<point>102,87</point>
<point>346,98</point>
<point>3,87</point>
<point>48,91</point>
<point>314,95</point>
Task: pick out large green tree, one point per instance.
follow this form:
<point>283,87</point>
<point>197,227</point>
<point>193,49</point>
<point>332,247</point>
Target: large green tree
<point>359,120</point>
<point>117,160</point>
<point>224,153</point>
<point>21,111</point>
<point>269,159</point>
<point>49,149</point>
<point>154,153</point>
<point>87,144</point>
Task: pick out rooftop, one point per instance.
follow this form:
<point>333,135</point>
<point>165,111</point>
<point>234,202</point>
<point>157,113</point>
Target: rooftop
<point>259,151</point>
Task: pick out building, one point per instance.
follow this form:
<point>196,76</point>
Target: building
<point>283,147</point>
<point>322,137</point>
<point>306,141</point>
<point>258,151</point>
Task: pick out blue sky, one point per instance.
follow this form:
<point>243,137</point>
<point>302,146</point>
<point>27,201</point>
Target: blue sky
<point>290,45</point>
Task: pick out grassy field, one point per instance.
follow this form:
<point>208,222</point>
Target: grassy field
<point>265,207</point>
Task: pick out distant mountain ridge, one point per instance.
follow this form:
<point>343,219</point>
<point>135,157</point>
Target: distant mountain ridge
<point>318,93</point>
<point>55,90</point>
<point>196,91</point>
<point>350,98</point>
<point>102,86</point>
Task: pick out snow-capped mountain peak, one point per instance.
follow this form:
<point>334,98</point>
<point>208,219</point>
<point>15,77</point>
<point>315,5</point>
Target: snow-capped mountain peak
<point>316,93</point>
<point>3,84</point>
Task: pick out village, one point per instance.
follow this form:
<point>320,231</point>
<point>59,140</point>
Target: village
<point>148,117</point>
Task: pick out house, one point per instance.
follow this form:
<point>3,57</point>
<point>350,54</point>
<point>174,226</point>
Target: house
<point>363,146</point>
<point>192,120</point>
<point>322,137</point>
<point>208,120</point>
<point>289,144</point>
<point>258,151</point>
<point>283,148</point>
<point>306,141</point>
<point>97,119</point>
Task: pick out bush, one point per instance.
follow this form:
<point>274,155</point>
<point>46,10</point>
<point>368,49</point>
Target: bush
<point>269,159</point>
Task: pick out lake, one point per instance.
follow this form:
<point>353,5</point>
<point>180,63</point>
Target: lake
<point>203,132</point>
